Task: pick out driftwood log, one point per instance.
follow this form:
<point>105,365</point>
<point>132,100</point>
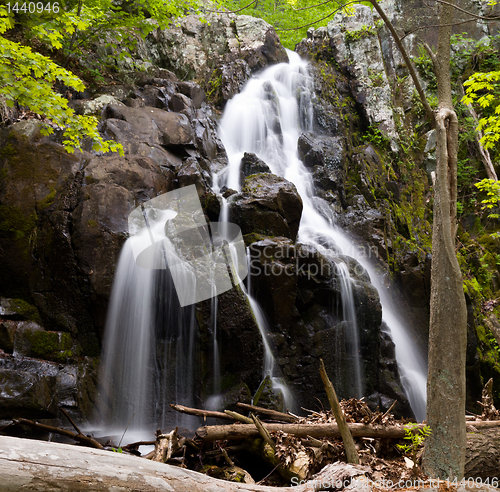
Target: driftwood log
<point>27,464</point>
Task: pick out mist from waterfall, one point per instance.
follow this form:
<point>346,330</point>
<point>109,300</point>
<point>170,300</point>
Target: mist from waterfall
<point>266,118</point>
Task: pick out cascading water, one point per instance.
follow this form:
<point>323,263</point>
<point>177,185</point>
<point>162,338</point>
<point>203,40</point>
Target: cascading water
<point>266,119</point>
<point>150,351</point>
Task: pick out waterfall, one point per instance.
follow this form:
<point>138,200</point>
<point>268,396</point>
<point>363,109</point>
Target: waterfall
<point>150,351</point>
<point>266,119</point>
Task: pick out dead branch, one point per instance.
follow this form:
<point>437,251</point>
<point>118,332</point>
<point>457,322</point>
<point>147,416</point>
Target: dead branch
<point>201,413</point>
<point>350,449</point>
<point>272,414</point>
<point>88,441</point>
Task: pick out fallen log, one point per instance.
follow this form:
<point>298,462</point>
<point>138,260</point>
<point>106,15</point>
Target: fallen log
<point>244,431</point>
<point>27,464</point>
<point>482,455</point>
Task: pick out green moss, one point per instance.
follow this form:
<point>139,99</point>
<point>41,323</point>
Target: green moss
<point>13,220</point>
<point>7,150</point>
<point>48,200</point>
<point>92,223</point>
<point>25,310</point>
<point>365,32</point>
<point>51,345</point>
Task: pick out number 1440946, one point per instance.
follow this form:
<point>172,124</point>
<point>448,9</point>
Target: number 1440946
<point>33,7</point>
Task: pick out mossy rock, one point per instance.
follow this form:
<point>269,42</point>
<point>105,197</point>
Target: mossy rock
<point>18,309</point>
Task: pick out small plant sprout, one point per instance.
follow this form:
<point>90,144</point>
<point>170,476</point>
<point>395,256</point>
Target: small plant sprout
<point>416,437</point>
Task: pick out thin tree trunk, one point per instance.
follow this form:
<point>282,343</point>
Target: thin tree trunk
<point>445,448</point>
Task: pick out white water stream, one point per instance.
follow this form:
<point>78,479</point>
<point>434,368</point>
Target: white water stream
<point>266,119</point>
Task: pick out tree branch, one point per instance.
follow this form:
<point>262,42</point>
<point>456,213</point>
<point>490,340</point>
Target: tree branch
<point>231,11</point>
<point>487,18</point>
<point>420,28</point>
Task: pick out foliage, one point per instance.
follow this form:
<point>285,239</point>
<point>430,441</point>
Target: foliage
<point>416,438</point>
<point>364,32</point>
<point>28,78</point>
<point>291,18</point>
<point>492,200</point>
<point>375,136</point>
<point>484,89</point>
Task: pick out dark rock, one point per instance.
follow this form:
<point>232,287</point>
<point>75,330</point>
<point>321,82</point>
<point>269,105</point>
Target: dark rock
<point>191,173</point>
<point>268,205</point>
<point>251,164</point>
<point>233,77</point>
<point>325,158</point>
<point>179,103</point>
<point>150,125</point>
<point>157,97</point>
<point>35,389</point>
<point>240,344</point>
<point>112,187</point>
<point>194,92</point>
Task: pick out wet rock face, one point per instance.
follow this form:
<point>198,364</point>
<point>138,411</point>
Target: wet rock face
<point>251,164</point>
<point>325,157</point>
<point>64,216</point>
<point>39,369</point>
<point>226,49</point>
<point>299,291</point>
<point>268,205</point>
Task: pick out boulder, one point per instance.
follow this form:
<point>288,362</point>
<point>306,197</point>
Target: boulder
<point>251,164</point>
<point>324,156</point>
<point>34,389</point>
<point>268,205</point>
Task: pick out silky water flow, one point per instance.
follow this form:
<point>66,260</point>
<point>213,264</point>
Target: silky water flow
<point>266,119</point>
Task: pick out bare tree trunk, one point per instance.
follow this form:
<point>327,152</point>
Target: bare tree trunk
<point>445,448</point>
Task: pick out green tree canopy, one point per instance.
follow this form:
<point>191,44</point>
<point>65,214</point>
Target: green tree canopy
<point>28,78</point>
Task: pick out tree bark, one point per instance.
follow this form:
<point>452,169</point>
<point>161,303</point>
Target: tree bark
<point>444,454</point>
<point>483,450</point>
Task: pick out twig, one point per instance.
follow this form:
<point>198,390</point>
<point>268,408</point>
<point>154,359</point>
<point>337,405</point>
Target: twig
<point>70,420</point>
<point>89,441</point>
<point>263,431</point>
<point>382,417</point>
<point>123,435</point>
<point>269,474</point>
<point>275,415</point>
